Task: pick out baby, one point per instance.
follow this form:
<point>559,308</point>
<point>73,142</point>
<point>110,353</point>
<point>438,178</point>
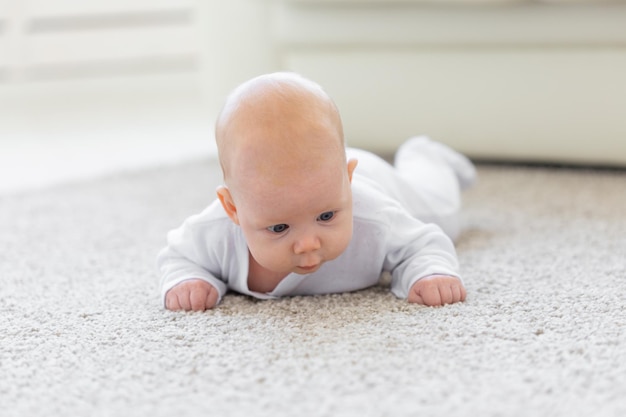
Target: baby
<point>297,217</point>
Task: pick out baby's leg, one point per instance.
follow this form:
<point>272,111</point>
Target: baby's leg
<point>427,180</point>
<point>418,147</point>
<point>437,174</point>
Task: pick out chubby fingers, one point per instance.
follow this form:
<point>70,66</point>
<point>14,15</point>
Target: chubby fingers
<point>197,300</point>
<point>171,301</point>
<point>191,295</point>
<point>211,298</point>
<point>437,291</point>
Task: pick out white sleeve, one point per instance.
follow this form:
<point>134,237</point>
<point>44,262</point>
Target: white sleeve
<point>417,250</point>
<point>193,251</point>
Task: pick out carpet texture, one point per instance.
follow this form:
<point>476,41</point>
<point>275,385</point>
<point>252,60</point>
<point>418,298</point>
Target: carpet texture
<point>542,333</point>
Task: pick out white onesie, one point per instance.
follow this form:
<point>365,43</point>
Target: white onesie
<point>386,237</point>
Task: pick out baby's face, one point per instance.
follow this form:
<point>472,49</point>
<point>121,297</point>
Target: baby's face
<point>296,227</point>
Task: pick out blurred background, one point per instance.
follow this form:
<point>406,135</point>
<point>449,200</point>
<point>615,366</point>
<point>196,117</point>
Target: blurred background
<point>88,88</point>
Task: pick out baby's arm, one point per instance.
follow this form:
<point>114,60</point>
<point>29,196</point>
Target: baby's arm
<point>437,290</point>
<point>192,294</point>
<point>191,265</point>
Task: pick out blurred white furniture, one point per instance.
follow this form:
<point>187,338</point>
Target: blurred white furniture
<point>93,87</point>
<point>498,79</point>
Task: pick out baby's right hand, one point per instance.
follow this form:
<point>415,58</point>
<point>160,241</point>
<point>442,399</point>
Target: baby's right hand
<point>193,294</point>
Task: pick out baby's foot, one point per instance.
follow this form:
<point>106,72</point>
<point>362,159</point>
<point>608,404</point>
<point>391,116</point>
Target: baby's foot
<point>462,166</point>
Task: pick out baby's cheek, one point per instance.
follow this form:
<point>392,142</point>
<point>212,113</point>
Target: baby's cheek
<point>271,256</point>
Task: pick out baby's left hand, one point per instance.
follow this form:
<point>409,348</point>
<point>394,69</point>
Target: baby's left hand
<point>437,290</point>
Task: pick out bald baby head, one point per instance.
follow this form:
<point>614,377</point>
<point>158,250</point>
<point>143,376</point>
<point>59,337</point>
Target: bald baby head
<point>275,124</point>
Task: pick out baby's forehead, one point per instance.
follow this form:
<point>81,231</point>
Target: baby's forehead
<point>286,142</point>
<point>317,189</point>
<point>283,167</point>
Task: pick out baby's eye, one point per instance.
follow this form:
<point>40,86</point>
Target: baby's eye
<point>326,216</point>
<point>278,228</point>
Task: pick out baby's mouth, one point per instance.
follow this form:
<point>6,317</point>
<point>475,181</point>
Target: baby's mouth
<point>309,268</point>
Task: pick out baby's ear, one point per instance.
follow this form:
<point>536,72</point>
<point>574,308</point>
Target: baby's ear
<point>227,202</point>
<point>352,163</point>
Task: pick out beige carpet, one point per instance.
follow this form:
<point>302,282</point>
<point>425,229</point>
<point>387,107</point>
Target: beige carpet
<point>542,333</point>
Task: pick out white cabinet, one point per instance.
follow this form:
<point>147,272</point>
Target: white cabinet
<point>512,80</point>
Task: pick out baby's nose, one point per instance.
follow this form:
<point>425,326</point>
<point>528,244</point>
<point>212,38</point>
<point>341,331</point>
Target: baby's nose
<point>308,243</point>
